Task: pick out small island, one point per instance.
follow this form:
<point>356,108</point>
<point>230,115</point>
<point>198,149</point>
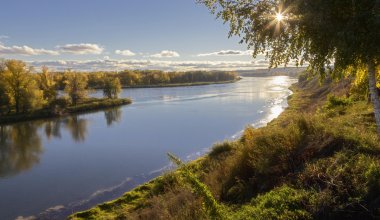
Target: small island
<point>26,94</point>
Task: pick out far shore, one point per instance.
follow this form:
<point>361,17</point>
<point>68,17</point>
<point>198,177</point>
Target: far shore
<point>89,105</point>
<point>177,84</point>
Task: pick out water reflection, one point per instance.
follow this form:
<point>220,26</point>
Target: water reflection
<point>21,144</point>
<point>77,127</point>
<point>20,148</point>
<point>112,116</point>
<point>53,129</point>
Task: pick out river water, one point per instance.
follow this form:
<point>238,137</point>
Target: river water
<point>51,168</point>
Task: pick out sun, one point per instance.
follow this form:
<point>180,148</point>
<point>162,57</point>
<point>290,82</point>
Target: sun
<point>279,17</point>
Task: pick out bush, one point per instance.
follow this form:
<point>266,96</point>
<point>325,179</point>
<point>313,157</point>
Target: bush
<point>220,148</point>
<point>334,101</point>
<point>280,203</point>
<point>348,185</point>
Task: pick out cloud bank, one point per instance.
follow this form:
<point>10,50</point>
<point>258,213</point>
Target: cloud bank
<point>117,65</point>
<point>81,48</point>
<point>25,50</point>
<point>227,53</point>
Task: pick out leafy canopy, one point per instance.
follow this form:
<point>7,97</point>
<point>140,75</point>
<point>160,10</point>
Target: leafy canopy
<point>319,32</point>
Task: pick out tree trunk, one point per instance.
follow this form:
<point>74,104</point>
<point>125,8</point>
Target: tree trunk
<point>374,93</point>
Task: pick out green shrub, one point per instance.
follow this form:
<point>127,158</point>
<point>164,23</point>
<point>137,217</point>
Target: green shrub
<point>348,185</point>
<point>334,101</point>
<point>220,148</point>
<point>280,203</point>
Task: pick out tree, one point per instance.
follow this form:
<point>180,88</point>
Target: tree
<point>76,86</point>
<point>4,97</point>
<point>330,35</point>
<point>21,86</point>
<point>47,84</point>
<point>112,87</point>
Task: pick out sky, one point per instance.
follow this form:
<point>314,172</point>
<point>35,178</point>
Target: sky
<point>119,34</point>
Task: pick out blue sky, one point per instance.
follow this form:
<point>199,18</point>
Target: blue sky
<point>119,34</point>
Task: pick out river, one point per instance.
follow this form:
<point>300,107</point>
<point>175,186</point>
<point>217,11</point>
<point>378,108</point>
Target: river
<point>50,168</point>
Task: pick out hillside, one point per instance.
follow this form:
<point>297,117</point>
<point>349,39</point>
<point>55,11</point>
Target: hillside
<point>319,160</point>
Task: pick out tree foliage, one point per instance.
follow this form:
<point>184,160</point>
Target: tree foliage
<point>76,86</point>
<point>319,32</point>
<point>332,36</point>
<point>47,84</point>
<point>21,88</point>
<point>111,87</point>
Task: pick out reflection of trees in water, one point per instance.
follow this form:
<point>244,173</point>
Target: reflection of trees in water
<point>21,145</point>
<point>53,129</point>
<point>77,127</point>
<point>20,148</point>
<point>112,115</point>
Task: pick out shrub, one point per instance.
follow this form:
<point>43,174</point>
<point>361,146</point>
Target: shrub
<point>334,101</point>
<point>280,203</point>
<point>348,185</point>
<point>220,148</point>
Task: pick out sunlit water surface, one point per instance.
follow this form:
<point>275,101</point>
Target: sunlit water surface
<point>50,168</point>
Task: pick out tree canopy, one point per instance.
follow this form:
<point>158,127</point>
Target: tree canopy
<point>331,36</point>
<point>319,32</point>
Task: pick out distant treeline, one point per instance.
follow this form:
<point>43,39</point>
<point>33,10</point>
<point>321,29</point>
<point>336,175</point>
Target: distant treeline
<point>23,89</point>
<point>140,78</point>
<point>287,71</point>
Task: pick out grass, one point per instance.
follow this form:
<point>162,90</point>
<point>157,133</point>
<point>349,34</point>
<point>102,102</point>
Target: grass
<point>96,104</point>
<point>320,159</point>
<point>90,104</point>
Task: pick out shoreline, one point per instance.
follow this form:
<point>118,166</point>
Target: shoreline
<point>139,187</point>
<point>181,84</point>
<point>88,108</point>
<point>96,104</point>
<point>313,118</point>
<point>177,85</point>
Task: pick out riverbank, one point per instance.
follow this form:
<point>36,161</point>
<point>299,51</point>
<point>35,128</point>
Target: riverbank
<point>88,105</point>
<point>179,84</point>
<point>319,159</point>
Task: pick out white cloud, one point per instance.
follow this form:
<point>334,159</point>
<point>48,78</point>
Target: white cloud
<point>25,50</point>
<point>110,64</point>
<point>165,54</point>
<point>81,48</point>
<point>227,53</point>
<point>127,53</point>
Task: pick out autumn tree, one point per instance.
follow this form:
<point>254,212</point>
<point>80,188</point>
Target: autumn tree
<point>5,100</point>
<point>21,86</point>
<point>47,84</point>
<point>76,86</point>
<point>330,35</point>
<point>112,87</point>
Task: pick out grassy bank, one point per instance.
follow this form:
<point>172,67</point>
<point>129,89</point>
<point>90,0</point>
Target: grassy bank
<point>87,105</point>
<point>319,160</point>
